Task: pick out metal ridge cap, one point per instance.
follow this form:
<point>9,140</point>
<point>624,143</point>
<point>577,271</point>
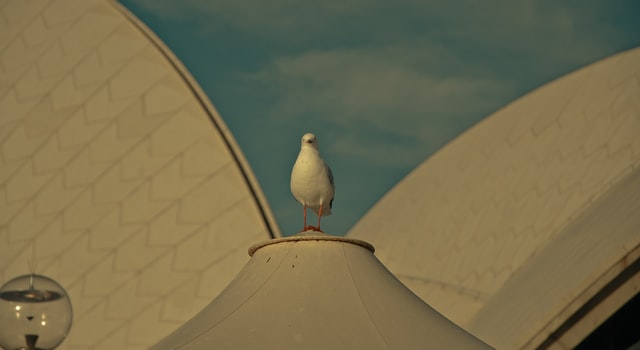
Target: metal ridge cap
<point>311,235</point>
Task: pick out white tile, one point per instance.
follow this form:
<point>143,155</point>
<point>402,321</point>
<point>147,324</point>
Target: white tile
<point>89,30</point>
<point>84,212</point>
<point>54,62</point>
<point>202,204</point>
<point>162,278</point>
<point>170,183</point>
<point>125,303</point>
<point>81,172</point>
<point>67,95</point>
<point>110,188</point>
<point>109,233</point>
<point>54,240</point>
<point>75,131</point>
<point>137,77</point>
<point>135,254</point>
<point>100,106</point>
<point>179,132</point>
<point>140,207</point>
<point>108,146</point>
<point>92,71</point>
<point>104,278</point>
<point>25,183</point>
<point>122,45</point>
<point>167,230</point>
<point>165,97</point>
<point>207,156</point>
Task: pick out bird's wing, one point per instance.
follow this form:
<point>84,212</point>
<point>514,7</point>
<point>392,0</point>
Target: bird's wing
<point>332,184</point>
<point>330,174</point>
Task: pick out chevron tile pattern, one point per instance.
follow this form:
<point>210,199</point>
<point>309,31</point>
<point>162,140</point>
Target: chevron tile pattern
<point>112,174</point>
<point>461,224</point>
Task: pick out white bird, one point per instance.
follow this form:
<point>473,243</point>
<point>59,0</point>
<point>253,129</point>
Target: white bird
<point>312,181</point>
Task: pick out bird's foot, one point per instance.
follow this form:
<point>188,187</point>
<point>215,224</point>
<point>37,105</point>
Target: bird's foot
<point>311,228</point>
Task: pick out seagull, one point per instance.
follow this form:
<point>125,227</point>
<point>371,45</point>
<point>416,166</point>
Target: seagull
<point>312,181</point>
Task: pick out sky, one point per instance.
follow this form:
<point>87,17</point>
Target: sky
<point>382,84</point>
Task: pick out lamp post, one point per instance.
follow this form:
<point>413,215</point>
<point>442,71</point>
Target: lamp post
<point>35,313</point>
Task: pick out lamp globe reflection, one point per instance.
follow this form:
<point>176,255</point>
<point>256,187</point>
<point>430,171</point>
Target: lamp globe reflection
<point>35,313</point>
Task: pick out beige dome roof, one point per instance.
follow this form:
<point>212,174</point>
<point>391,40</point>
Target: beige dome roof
<point>116,173</point>
<point>511,227</point>
<point>315,291</point>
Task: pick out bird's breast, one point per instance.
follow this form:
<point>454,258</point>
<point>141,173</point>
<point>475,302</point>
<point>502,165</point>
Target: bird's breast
<point>310,179</point>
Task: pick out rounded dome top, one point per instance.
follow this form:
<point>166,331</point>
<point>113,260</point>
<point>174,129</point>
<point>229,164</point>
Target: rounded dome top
<point>315,291</point>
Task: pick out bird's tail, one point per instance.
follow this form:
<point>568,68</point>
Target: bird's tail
<point>326,210</point>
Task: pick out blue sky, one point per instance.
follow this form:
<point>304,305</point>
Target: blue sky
<point>383,84</point>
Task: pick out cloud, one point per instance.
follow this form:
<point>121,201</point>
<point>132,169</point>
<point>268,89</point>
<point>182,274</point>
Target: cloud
<point>413,72</point>
<point>412,98</point>
<point>408,74</point>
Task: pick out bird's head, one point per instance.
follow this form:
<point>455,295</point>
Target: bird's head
<point>309,140</point>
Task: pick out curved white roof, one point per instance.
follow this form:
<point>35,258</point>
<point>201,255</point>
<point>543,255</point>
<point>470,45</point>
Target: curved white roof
<point>314,291</point>
<point>116,173</point>
<point>506,228</point>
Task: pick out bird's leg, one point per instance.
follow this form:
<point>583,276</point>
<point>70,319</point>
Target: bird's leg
<point>319,217</point>
<point>304,208</point>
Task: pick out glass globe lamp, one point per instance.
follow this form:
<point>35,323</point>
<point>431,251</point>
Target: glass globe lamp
<point>35,313</point>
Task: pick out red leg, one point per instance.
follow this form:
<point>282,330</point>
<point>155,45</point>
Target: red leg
<point>304,208</point>
<point>319,217</point>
